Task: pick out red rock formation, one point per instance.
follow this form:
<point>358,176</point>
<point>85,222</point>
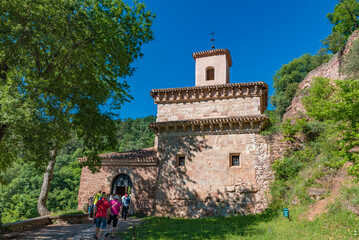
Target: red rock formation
<point>329,69</point>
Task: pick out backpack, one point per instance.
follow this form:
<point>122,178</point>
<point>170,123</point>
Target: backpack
<point>126,201</point>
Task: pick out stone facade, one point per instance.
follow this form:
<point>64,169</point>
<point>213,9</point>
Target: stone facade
<point>208,185</point>
<point>208,158</point>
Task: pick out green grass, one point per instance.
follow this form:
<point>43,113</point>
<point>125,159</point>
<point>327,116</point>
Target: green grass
<point>70,212</point>
<point>337,223</point>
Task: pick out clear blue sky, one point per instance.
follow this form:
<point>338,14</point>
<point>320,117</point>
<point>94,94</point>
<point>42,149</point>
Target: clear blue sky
<point>261,35</point>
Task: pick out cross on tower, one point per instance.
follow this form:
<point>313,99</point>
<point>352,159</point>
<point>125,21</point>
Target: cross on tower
<point>212,39</point>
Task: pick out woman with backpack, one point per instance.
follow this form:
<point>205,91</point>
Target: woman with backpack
<point>115,204</point>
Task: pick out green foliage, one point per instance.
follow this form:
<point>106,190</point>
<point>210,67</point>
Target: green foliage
<point>314,153</point>
<point>351,194</point>
<point>342,108</point>
<point>273,123</point>
<point>134,134</point>
<point>286,79</point>
<point>62,69</point>
<point>345,20</point>
<point>19,195</point>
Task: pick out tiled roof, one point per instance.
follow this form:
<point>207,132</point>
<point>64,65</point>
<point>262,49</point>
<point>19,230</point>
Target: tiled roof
<point>141,154</point>
<point>214,52</point>
<point>247,84</point>
<point>214,120</point>
<point>144,153</point>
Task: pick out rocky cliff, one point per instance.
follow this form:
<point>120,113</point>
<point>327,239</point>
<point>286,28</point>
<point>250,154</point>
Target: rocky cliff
<point>329,69</point>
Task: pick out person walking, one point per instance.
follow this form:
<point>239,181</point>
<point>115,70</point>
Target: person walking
<point>101,214</point>
<point>126,201</point>
<point>115,211</point>
<point>96,197</point>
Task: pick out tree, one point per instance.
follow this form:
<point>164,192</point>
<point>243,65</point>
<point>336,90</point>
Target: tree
<point>286,79</point>
<point>345,20</point>
<point>62,65</point>
<point>341,107</point>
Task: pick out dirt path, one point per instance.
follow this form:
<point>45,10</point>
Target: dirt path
<point>123,226</point>
<point>73,231</point>
<point>321,206</point>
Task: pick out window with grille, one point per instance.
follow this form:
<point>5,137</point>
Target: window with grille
<point>234,159</point>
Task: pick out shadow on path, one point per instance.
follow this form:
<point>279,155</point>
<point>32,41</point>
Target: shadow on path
<point>73,231</point>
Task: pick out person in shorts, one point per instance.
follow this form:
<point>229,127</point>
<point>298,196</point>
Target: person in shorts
<point>115,211</point>
<point>101,214</point>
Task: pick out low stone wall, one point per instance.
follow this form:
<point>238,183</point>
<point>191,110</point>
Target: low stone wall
<point>32,223</point>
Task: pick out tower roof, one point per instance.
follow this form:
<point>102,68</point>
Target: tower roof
<point>214,52</point>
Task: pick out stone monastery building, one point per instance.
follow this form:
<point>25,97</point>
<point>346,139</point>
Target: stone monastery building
<point>208,158</point>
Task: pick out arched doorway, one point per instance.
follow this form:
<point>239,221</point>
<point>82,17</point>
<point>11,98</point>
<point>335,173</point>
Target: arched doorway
<point>121,185</point>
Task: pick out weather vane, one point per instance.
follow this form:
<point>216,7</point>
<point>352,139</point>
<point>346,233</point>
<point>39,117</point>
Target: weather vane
<point>212,39</point>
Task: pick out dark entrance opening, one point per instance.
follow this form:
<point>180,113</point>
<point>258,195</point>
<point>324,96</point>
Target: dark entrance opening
<point>121,185</point>
<point>121,190</point>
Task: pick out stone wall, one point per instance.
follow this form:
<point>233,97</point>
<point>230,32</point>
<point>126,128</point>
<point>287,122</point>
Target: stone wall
<point>330,70</point>
<point>208,109</point>
<point>207,185</point>
<point>32,223</point>
<point>143,185</point>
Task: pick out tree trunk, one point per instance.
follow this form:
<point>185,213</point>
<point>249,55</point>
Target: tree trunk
<point>46,183</point>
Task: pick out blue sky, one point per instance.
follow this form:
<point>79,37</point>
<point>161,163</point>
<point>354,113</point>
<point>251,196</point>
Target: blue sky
<point>261,35</point>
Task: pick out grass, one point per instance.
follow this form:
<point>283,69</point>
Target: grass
<point>337,223</point>
<point>70,212</point>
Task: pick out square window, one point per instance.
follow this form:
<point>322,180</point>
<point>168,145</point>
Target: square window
<point>181,160</point>
<point>234,160</point>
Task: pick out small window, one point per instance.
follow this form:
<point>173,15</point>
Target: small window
<point>234,159</point>
<point>210,73</point>
<point>181,160</point>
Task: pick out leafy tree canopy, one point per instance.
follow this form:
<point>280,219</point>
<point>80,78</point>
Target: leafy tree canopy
<point>345,19</point>
<point>286,79</point>
<point>62,65</point>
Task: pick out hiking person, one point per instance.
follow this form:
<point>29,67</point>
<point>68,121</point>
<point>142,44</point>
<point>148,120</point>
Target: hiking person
<point>91,206</point>
<point>101,214</point>
<point>96,197</point>
<point>115,211</point>
<point>125,206</point>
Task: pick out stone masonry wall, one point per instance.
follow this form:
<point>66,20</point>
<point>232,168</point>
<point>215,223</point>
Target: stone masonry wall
<point>208,109</point>
<point>143,185</point>
<point>207,185</point>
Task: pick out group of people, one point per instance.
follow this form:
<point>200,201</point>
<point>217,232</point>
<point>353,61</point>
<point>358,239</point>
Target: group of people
<point>106,209</point>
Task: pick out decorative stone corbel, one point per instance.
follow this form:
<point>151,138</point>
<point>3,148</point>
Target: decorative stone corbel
<point>183,127</point>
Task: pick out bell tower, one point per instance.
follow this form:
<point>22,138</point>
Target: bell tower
<point>212,67</point>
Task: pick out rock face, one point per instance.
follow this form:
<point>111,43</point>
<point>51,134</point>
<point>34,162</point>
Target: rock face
<point>330,70</point>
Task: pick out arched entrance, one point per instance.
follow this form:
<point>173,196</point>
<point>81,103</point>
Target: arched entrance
<point>121,185</point>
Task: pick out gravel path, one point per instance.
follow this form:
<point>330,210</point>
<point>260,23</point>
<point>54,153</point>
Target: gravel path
<point>73,231</point>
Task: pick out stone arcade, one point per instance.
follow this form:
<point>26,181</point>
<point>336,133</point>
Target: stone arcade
<point>208,158</point>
